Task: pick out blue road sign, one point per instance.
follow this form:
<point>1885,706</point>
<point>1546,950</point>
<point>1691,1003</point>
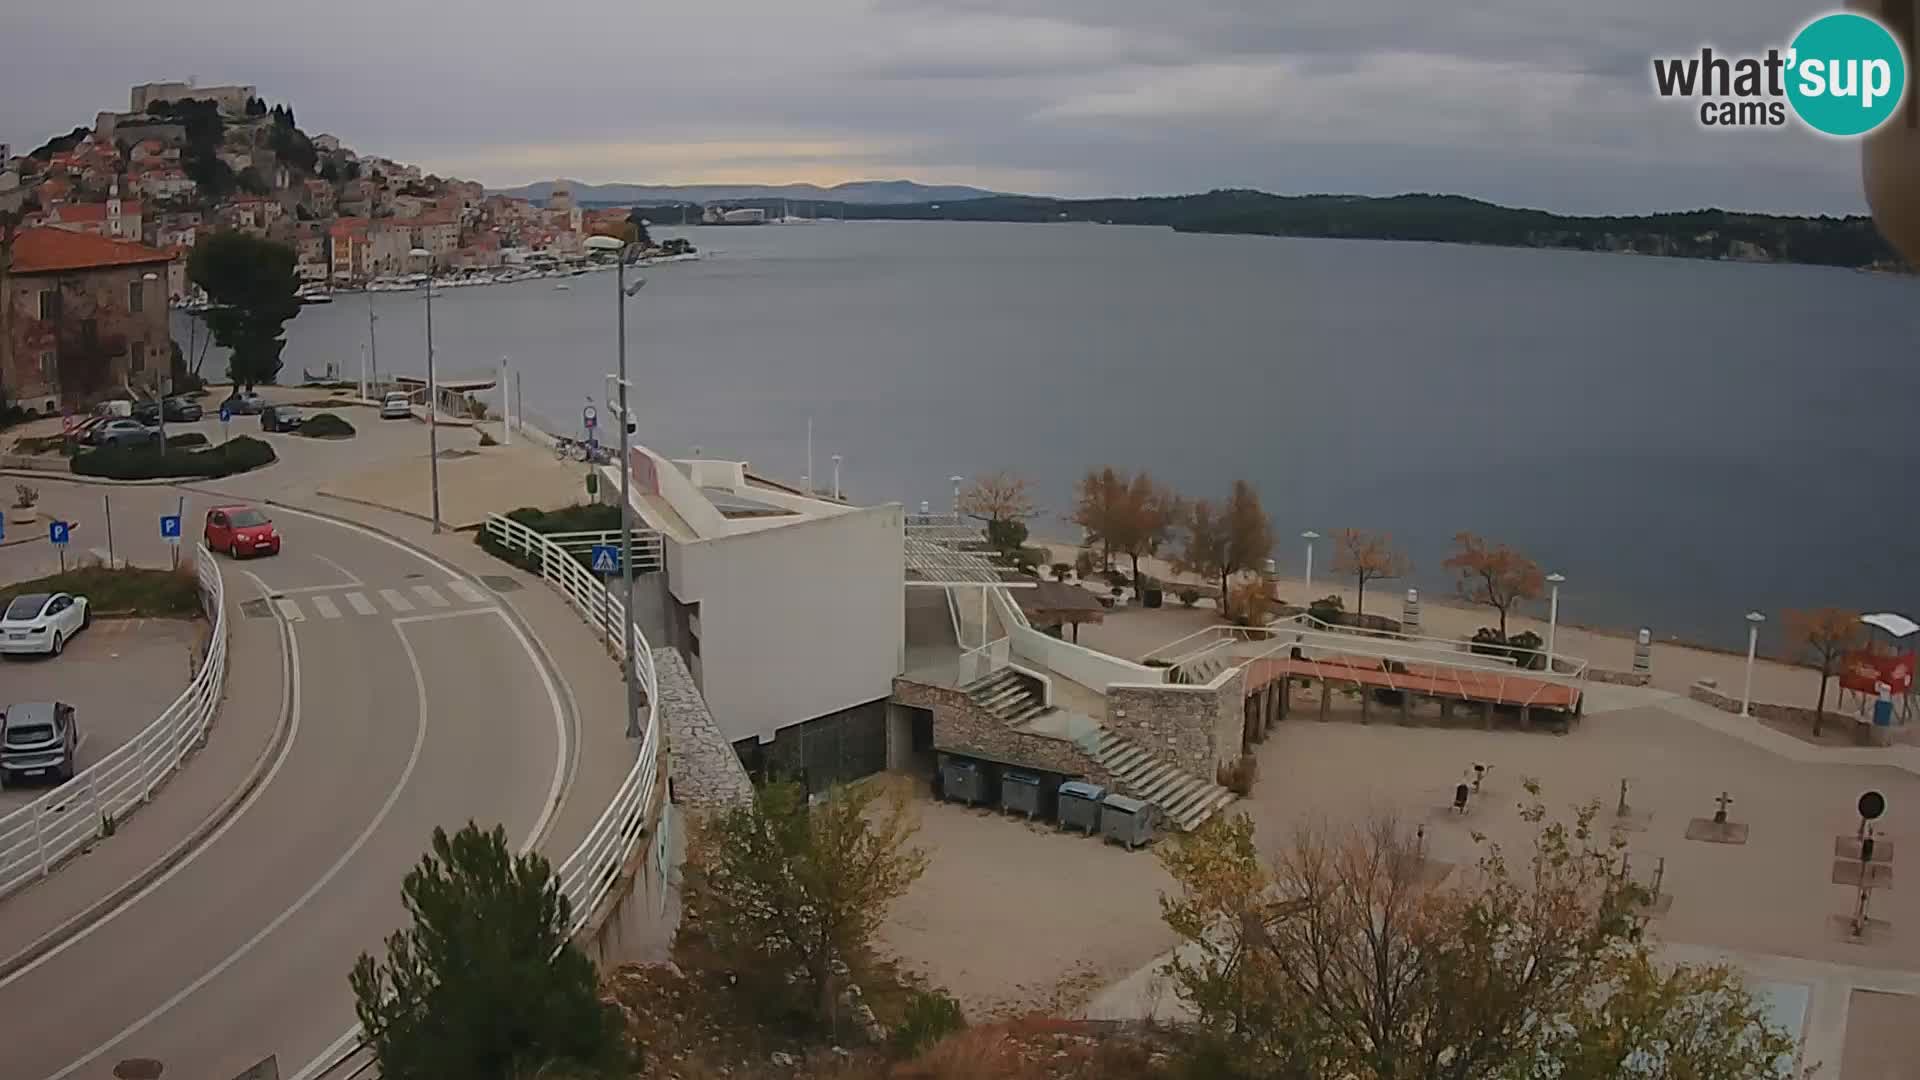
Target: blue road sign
<point>170,526</point>
<point>606,559</point>
<point>226,414</point>
<point>57,531</point>
<point>3,527</point>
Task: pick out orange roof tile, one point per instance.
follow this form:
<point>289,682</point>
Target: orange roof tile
<point>97,211</point>
<point>47,251</point>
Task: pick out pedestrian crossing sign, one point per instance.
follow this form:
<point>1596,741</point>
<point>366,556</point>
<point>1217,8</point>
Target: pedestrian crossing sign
<point>606,559</point>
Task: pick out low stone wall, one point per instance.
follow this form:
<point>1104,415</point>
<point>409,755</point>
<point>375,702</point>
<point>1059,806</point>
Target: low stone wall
<point>1194,727</point>
<point>1784,714</point>
<point>961,726</point>
<point>1620,678</point>
<point>707,774</point>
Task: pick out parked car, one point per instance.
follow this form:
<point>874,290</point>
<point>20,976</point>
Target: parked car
<point>241,531</point>
<point>280,418</point>
<point>122,432</point>
<point>183,410</point>
<point>43,622</point>
<point>147,412</point>
<point>38,738</point>
<point>396,407</point>
<point>244,404</point>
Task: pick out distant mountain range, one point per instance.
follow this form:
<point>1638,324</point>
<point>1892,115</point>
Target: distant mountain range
<point>867,192</point>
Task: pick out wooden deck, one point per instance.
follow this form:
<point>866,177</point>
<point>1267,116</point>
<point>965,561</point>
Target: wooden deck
<point>1432,680</point>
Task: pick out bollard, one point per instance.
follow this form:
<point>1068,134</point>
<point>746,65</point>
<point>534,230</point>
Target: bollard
<point>1643,650</point>
<point>1410,612</point>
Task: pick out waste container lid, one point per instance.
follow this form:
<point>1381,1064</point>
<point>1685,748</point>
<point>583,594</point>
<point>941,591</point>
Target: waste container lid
<point>1125,804</point>
<point>1083,790</point>
<point>1013,777</point>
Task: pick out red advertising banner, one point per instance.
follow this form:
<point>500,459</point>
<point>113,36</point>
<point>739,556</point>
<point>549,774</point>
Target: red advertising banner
<point>1863,669</point>
<point>645,479</point>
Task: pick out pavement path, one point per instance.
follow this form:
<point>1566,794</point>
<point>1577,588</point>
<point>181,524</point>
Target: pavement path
<point>418,714</point>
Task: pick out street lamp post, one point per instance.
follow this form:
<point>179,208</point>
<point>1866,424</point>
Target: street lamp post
<point>1754,619</point>
<point>957,481</point>
<point>160,380</point>
<point>433,394</point>
<point>1309,536</point>
<point>1553,615</point>
<point>621,294</point>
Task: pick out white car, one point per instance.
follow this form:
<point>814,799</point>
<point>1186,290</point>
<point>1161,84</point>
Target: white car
<point>42,622</point>
<point>396,407</point>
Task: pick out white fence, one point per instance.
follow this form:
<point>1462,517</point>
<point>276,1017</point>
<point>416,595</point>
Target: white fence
<point>46,830</point>
<point>647,548</point>
<point>587,875</point>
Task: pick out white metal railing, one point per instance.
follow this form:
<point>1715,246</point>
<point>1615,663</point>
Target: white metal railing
<point>1454,651</point>
<point>648,552</point>
<point>46,830</point>
<point>588,874</point>
<point>978,663</point>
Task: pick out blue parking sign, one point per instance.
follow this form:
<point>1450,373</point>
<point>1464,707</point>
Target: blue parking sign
<point>57,531</point>
<point>170,526</point>
<point>226,414</point>
<point>606,559</point>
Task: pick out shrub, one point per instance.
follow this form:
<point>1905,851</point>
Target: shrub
<point>1083,565</point>
<point>1525,650</point>
<point>488,440</point>
<point>324,426</point>
<point>236,455</point>
<point>1117,578</point>
<point>156,594</point>
<point>930,1017</point>
<point>25,496</point>
<point>1250,604</point>
<point>593,517</point>
<point>1488,642</point>
<point>1328,609</point>
<point>186,441</point>
<point>1238,776</point>
<point>1189,596</point>
<point>1030,559</point>
<point>1060,570</point>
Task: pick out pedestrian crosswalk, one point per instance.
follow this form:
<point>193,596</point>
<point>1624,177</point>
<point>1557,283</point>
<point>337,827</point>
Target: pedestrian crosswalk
<point>327,606</point>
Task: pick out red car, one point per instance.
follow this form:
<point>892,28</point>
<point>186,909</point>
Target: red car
<point>240,531</point>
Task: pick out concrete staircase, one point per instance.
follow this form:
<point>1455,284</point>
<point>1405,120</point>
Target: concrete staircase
<point>1187,800</point>
<point>1008,695</point>
<point>1200,670</point>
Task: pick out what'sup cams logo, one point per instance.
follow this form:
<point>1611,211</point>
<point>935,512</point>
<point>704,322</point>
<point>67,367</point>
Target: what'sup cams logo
<point>1843,75</point>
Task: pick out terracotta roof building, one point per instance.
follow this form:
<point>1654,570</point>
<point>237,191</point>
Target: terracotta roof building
<point>80,315</point>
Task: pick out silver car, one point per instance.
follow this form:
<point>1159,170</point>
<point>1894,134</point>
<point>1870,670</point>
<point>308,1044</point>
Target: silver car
<point>38,738</point>
<point>396,407</point>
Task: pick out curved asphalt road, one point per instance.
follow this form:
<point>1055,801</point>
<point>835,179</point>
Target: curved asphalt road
<point>413,704</point>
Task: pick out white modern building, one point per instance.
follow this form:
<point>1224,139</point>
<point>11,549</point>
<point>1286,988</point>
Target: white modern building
<point>789,608</point>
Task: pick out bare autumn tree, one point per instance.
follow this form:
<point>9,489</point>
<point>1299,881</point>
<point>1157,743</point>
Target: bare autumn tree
<point>1001,500</point>
<point>1208,545</point>
<point>1366,556</point>
<point>1249,532</point>
<point>1494,575</point>
<point>1096,509</point>
<point>1131,515</point>
<point>1347,956</point>
<point>1827,635</point>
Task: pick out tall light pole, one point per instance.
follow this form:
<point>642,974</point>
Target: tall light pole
<point>1754,619</point>
<point>433,394</point>
<point>957,481</point>
<point>620,295</point>
<point>836,478</point>
<point>1553,615</point>
<point>159,380</point>
<point>1309,536</point>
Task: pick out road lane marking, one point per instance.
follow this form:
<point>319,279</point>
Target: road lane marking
<point>289,610</point>
<point>344,572</point>
<point>466,592</point>
<point>430,595</point>
<point>360,604</point>
<point>324,605</point>
<point>290,703</point>
<point>441,616</point>
<point>395,600</point>
<point>393,797</point>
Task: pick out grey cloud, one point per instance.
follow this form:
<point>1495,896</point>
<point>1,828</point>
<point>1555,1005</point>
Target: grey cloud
<point>1537,102</point>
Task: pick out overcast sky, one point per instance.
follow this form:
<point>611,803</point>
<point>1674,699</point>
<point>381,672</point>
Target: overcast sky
<point>1543,103</point>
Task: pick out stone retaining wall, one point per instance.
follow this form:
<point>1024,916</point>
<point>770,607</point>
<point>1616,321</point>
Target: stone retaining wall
<point>961,726</point>
<point>1195,727</point>
<point>1787,714</point>
<point>1620,678</point>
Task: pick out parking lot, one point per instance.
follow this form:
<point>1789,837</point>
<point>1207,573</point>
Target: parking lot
<point>118,675</point>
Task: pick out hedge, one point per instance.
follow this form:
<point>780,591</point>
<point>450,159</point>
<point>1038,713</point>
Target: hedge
<point>325,426</point>
<point>143,463</point>
<point>145,593</point>
<point>186,441</point>
<point>593,517</point>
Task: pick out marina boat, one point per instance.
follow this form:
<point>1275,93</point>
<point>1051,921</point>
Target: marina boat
<point>314,294</point>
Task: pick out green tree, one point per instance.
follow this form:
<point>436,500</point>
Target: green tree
<point>251,284</point>
<point>779,889</point>
<point>1346,956</point>
<point>486,984</point>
